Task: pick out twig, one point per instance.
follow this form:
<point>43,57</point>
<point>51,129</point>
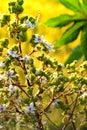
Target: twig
<point>66,124</point>
<point>73,124</point>
<point>50,120</point>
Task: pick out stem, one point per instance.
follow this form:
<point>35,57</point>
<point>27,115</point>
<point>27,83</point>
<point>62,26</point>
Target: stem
<point>19,86</point>
<point>25,72</point>
<point>19,43</point>
<point>51,121</point>
<point>61,94</point>
<point>40,125</point>
<point>73,124</point>
<point>32,52</point>
<point>71,115</point>
<point>85,109</point>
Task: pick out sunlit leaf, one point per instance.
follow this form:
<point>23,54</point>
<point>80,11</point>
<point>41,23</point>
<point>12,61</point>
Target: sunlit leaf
<point>84,1</point>
<point>83,126</point>
<point>84,41</point>
<point>64,20</point>
<point>84,7</point>
<point>70,34</point>
<point>75,55</point>
<point>72,4</point>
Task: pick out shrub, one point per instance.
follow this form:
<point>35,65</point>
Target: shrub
<point>51,95</point>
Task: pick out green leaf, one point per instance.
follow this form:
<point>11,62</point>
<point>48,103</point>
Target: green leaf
<point>64,20</point>
<point>70,34</point>
<point>84,41</point>
<point>84,7</point>
<point>84,1</point>
<point>59,21</point>
<point>83,126</point>
<point>72,4</point>
<point>75,55</point>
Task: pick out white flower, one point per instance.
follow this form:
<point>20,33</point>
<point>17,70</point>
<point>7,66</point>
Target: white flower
<point>9,74</point>
<point>27,76</point>
<point>25,59</point>
<point>1,127</point>
<point>55,102</point>
<point>79,84</point>
<point>18,118</point>
<point>2,64</point>
<point>44,80</point>
<point>62,65</point>
<point>2,76</point>
<point>30,109</point>
<point>55,77</point>
<point>19,100</point>
<point>12,88</point>
<point>54,74</point>
<point>84,95</point>
<point>37,38</point>
<point>15,88</point>
<point>60,76</point>
<point>2,108</point>
<point>49,47</point>
<point>29,24</point>
<point>12,53</point>
<point>37,72</point>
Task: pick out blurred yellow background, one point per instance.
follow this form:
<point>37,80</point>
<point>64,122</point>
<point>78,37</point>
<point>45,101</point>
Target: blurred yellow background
<point>47,9</point>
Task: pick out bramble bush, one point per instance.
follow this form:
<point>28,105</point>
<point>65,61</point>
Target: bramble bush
<point>49,87</point>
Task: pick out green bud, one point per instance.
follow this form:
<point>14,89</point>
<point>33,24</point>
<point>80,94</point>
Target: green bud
<point>14,24</point>
<point>14,47</point>
<point>21,28</point>
<point>17,9</point>
<point>1,49</point>
<point>4,42</point>
<point>20,2</point>
<point>4,20</point>
<point>31,61</point>
<point>33,69</point>
<point>11,3</point>
<point>32,78</point>
<point>23,18</point>
<point>7,62</point>
<point>32,19</point>
<point>23,36</point>
<point>60,88</point>
<point>1,24</point>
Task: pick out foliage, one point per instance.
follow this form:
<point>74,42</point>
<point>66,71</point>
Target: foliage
<point>47,88</point>
<point>78,23</point>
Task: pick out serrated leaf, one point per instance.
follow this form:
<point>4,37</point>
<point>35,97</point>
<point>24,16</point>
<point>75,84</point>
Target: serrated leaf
<point>72,4</point>
<point>64,20</point>
<point>70,34</point>
<point>75,55</point>
<point>84,41</point>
